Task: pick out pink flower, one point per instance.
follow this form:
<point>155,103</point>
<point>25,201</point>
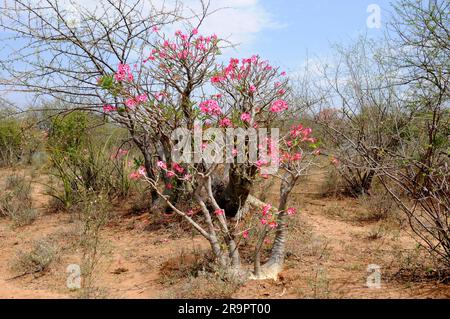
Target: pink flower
<point>225,122</point>
<point>245,234</point>
<point>134,176</point>
<point>130,102</point>
<point>195,31</point>
<point>234,152</point>
<point>273,225</point>
<point>261,162</point>
<point>279,106</point>
<point>245,117</point>
<point>281,92</point>
<point>170,174</point>
<point>266,209</point>
<point>178,168</point>
<point>217,79</point>
<point>291,211</point>
<point>190,212</point>
<point>297,157</point>
<point>210,107</point>
<point>139,173</point>
<point>142,171</point>
<point>155,29</point>
<point>123,73</point>
<point>317,152</point>
<point>219,212</point>
<point>141,98</point>
<point>283,73</point>
<point>151,57</point>
<point>252,89</point>
<point>183,55</point>
<point>161,164</point>
<point>169,186</point>
<point>263,221</point>
<point>161,95</point>
<point>109,108</point>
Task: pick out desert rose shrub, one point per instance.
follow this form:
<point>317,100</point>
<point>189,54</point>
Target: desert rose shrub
<point>163,103</point>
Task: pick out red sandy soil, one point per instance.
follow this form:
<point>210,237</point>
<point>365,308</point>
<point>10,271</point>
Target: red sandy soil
<point>327,255</point>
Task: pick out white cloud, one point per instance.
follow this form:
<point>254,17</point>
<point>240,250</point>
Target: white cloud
<point>238,21</point>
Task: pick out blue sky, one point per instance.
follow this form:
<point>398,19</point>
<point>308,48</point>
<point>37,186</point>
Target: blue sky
<point>285,32</point>
<point>310,28</point>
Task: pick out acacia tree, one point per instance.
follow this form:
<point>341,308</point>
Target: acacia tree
<point>412,84</point>
<point>420,167</point>
<point>52,55</point>
<point>361,114</point>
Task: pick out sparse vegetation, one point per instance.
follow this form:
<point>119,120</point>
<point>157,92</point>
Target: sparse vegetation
<point>16,202</point>
<point>37,260</point>
<point>108,167</point>
<point>94,213</point>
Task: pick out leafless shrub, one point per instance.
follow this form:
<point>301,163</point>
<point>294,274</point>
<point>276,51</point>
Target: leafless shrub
<point>186,265</point>
<point>378,205</point>
<point>333,184</point>
<point>16,202</point>
<point>94,213</point>
<point>37,260</point>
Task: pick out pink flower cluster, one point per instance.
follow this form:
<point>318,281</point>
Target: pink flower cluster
<point>266,209</point>
<point>301,133</point>
<point>177,167</point>
<point>225,122</point>
<point>291,211</point>
<point>286,157</point>
<point>246,117</point>
<point>279,106</point>
<point>177,170</point>
<point>123,73</point>
<point>235,72</point>
<point>210,107</point>
<point>219,212</point>
<point>141,172</point>
<point>161,164</point>
<point>132,102</point>
<point>109,108</point>
<point>170,54</point>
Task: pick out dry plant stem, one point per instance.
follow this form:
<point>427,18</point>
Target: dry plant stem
<point>223,260</point>
<point>274,265</point>
<point>229,237</point>
<point>257,262</point>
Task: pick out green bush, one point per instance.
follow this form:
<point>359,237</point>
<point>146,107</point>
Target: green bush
<point>84,160</point>
<point>10,142</point>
